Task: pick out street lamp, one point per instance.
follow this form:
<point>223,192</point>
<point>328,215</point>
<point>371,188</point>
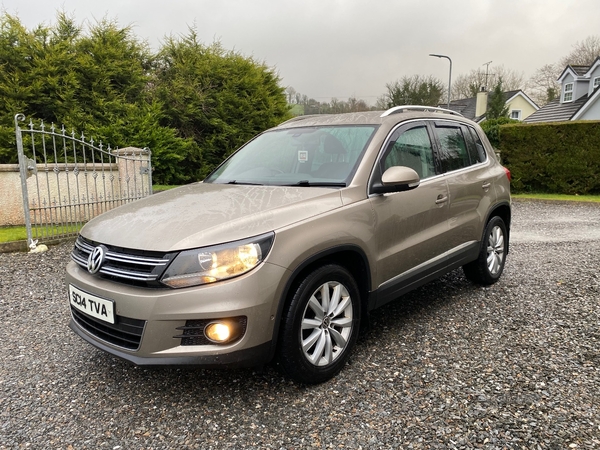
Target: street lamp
<point>449,76</point>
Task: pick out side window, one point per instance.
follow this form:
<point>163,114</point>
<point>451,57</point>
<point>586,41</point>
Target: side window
<point>411,148</point>
<point>478,155</point>
<point>453,152</point>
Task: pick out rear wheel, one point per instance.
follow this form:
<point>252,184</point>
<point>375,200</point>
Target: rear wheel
<point>320,325</point>
<point>489,265</point>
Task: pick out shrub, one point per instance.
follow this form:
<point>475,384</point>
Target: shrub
<point>491,128</point>
<point>561,158</point>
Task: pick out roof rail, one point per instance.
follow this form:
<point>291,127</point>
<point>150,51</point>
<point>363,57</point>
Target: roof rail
<point>299,118</point>
<point>397,109</point>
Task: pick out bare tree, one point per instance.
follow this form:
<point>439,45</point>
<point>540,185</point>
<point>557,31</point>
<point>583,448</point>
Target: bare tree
<point>290,93</point>
<point>584,53</point>
<point>542,87</point>
<point>381,103</point>
<point>467,86</point>
<point>357,105</point>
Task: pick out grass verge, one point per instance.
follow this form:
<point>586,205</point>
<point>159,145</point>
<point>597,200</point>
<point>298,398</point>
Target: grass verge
<point>559,197</point>
<point>9,234</point>
<point>162,187</point>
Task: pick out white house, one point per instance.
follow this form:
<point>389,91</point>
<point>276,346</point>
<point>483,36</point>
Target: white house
<point>578,99</point>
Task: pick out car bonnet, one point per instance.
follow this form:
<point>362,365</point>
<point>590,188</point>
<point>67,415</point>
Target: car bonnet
<point>204,214</point>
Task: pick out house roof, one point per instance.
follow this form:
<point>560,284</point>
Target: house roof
<point>595,64</point>
<point>465,106</point>
<point>580,70</point>
<point>555,111</point>
<point>524,95</point>
<point>575,70</point>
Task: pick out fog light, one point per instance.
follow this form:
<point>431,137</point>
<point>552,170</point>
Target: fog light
<point>218,332</point>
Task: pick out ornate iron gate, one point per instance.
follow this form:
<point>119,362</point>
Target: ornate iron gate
<point>68,180</point>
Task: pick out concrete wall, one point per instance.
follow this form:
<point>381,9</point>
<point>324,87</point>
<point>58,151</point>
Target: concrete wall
<point>11,198</point>
<point>69,193</point>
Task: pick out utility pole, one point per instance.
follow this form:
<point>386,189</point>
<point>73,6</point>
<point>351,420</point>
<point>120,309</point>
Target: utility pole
<point>487,67</point>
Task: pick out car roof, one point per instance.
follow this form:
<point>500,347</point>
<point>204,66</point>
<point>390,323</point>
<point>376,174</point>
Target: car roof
<point>391,116</point>
<point>395,115</point>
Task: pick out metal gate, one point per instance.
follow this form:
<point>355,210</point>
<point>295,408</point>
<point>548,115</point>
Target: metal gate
<point>68,180</point>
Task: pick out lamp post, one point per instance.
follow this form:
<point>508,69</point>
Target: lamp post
<point>449,76</point>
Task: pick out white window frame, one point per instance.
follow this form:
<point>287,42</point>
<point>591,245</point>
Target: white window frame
<point>596,82</point>
<point>568,93</point>
<point>516,112</point>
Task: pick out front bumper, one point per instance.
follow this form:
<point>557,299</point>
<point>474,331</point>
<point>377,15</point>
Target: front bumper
<point>161,312</point>
<point>249,357</point>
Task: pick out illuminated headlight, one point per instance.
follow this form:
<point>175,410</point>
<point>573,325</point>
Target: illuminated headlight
<point>220,262</point>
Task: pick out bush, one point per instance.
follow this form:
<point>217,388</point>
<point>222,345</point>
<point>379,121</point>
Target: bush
<point>189,103</point>
<point>561,158</point>
<point>218,98</point>
<point>491,128</point>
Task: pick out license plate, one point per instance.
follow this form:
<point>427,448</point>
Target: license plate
<point>97,307</point>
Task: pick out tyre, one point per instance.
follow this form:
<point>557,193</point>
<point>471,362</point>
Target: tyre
<point>488,267</point>
<point>320,325</point>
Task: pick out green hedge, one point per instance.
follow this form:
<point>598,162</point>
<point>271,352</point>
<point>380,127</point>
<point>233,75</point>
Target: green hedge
<point>192,104</point>
<point>561,158</point>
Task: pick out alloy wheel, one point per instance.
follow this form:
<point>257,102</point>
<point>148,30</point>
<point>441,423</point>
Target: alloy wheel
<point>326,324</point>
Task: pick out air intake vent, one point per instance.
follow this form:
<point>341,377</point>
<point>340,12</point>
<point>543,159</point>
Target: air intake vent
<point>125,332</point>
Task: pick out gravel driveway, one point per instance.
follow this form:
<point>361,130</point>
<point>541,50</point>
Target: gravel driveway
<point>452,365</point>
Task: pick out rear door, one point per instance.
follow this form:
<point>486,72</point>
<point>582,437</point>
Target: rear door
<point>464,164</point>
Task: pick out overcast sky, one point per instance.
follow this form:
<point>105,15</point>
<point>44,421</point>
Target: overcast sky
<point>343,48</point>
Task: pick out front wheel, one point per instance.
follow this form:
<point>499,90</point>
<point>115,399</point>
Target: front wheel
<point>488,267</point>
<point>320,325</point>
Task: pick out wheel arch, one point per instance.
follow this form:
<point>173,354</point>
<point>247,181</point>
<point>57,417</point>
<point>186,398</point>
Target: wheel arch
<point>351,257</point>
<point>503,211</point>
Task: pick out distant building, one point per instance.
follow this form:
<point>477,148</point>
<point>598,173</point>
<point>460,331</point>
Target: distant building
<point>520,106</point>
<point>578,99</point>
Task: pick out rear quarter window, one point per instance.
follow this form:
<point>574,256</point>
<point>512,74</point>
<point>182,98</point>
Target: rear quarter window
<point>475,148</point>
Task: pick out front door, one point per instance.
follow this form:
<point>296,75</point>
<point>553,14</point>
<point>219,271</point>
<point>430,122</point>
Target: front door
<point>412,226</point>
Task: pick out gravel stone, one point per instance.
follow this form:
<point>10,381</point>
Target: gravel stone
<point>449,366</point>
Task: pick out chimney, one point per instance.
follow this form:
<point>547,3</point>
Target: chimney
<point>481,103</point>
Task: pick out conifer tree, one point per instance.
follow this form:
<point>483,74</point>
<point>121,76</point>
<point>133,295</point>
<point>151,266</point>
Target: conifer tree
<point>496,107</point>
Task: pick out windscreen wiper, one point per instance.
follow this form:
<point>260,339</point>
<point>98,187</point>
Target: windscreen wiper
<point>319,183</point>
<point>244,182</point>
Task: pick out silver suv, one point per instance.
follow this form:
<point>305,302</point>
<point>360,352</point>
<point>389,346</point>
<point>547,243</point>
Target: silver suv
<point>285,248</point>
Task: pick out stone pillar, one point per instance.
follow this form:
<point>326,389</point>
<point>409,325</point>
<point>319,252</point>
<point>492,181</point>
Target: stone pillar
<point>135,173</point>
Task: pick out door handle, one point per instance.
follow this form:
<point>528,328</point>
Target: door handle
<point>486,185</point>
<point>441,199</point>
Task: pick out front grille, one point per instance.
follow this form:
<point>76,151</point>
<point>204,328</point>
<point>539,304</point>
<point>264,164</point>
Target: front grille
<point>125,332</point>
<point>193,331</point>
<point>134,267</point>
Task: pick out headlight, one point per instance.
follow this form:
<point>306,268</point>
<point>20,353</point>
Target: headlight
<point>220,262</point>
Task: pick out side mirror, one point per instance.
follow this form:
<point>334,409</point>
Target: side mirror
<point>397,179</point>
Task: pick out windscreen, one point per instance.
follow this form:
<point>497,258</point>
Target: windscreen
<point>311,156</point>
